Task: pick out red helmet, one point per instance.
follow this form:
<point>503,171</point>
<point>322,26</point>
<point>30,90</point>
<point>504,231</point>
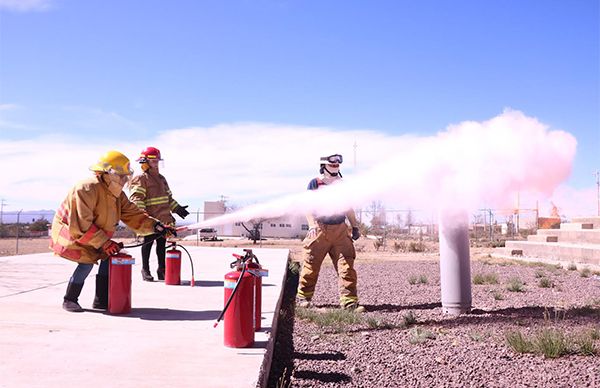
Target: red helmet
<point>149,153</point>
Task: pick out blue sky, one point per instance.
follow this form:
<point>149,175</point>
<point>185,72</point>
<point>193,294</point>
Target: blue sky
<point>93,75</point>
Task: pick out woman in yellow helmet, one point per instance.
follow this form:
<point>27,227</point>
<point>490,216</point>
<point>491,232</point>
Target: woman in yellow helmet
<point>86,221</point>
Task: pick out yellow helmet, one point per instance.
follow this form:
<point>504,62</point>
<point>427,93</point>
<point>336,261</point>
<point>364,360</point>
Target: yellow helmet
<point>113,162</point>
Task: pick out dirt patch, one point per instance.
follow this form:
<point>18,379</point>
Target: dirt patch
<point>405,340</point>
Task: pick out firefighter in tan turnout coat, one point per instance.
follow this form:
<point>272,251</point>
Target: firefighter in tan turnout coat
<point>330,235</point>
<point>86,221</point>
<point>150,192</point>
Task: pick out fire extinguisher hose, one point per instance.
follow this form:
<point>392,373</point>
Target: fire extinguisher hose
<point>140,244</point>
<point>191,262</point>
<point>231,296</point>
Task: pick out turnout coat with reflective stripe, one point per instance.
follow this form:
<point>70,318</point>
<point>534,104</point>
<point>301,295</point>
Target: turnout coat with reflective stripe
<point>88,217</point>
<point>150,192</point>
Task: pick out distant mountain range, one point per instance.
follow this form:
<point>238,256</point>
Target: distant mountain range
<point>26,216</point>
<point>29,216</point>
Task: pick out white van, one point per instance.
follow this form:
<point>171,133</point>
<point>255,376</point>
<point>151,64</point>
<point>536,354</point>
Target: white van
<point>207,234</point>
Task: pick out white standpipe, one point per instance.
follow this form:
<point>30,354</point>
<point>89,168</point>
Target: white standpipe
<point>455,263</point>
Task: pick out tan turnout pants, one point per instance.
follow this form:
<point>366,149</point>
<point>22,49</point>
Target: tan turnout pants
<point>335,240</point>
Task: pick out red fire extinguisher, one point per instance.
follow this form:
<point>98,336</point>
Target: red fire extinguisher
<point>238,316</point>
<point>239,312</point>
<point>119,283</point>
<point>253,265</point>
<point>173,265</point>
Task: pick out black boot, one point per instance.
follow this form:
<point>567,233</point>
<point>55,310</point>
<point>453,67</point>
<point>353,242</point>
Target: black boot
<point>146,275</point>
<point>101,298</point>
<point>161,273</point>
<point>70,299</point>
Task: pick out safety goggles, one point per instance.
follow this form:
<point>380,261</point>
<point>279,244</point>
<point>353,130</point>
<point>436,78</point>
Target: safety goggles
<point>333,159</point>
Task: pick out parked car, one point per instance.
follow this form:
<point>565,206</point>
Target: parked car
<point>207,234</point>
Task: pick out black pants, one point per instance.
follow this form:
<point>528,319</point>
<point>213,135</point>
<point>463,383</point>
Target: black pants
<point>161,242</point>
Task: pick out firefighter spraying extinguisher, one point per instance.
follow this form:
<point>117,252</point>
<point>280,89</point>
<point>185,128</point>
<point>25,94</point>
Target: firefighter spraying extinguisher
<point>241,307</point>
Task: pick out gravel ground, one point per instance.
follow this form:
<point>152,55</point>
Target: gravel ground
<point>435,350</point>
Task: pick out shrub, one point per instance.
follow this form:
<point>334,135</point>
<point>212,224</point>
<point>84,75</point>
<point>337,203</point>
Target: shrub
<point>585,272</point>
<point>418,335</point>
<point>572,267</point>
<point>516,285</point>
<point>421,279</point>
<point>378,243</point>
<point>489,278</point>
<point>518,342</point>
<point>338,319</point>
<point>498,295</point>
<point>546,283</point>
<point>409,319</point>
<point>586,345</point>
<point>551,343</point>
<point>399,246</point>
<point>416,246</point>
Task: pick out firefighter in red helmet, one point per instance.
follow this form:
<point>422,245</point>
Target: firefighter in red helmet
<point>330,235</point>
<point>84,224</point>
<point>151,193</point>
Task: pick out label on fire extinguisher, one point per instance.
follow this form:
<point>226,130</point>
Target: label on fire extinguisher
<point>122,260</point>
<point>229,284</point>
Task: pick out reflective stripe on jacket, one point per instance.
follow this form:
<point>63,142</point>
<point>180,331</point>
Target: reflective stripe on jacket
<point>88,217</point>
<point>150,192</point>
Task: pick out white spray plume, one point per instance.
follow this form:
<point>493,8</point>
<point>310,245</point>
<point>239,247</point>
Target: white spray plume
<point>468,164</point>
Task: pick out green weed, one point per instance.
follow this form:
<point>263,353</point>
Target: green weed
<point>418,335</point>
<point>546,283</point>
<point>409,319</point>
<point>515,285</point>
<point>551,343</point>
<point>585,272</point>
<point>488,278</point>
<point>335,318</point>
<point>421,279</point>
<point>518,342</point>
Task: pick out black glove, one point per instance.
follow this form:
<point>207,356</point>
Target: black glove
<point>355,233</point>
<point>165,230</point>
<point>181,212</point>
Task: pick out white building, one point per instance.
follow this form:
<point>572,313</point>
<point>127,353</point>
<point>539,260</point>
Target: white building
<point>292,226</point>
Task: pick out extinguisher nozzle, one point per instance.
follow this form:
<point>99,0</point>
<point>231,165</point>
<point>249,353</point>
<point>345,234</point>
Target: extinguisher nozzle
<point>192,282</point>
<point>215,325</point>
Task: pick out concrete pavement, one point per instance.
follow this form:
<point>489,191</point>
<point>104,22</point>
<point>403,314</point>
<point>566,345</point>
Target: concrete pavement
<point>168,339</point>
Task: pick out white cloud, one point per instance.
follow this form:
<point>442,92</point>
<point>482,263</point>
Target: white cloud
<point>7,107</point>
<point>26,5</point>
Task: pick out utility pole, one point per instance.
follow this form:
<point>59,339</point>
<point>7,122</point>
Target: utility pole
<point>2,203</point>
<point>355,147</point>
<point>518,212</point>
<point>597,174</point>
<point>18,221</point>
